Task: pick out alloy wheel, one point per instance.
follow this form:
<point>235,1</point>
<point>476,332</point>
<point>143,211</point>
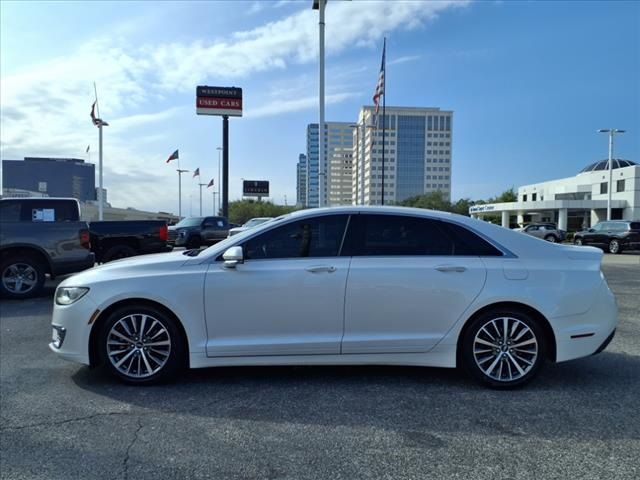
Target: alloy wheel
<point>614,246</point>
<point>138,346</point>
<point>505,349</point>
<point>19,278</point>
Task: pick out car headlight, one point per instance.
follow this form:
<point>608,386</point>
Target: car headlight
<point>69,295</point>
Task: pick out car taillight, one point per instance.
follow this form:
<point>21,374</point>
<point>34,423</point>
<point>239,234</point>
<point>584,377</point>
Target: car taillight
<point>85,239</point>
<point>164,233</point>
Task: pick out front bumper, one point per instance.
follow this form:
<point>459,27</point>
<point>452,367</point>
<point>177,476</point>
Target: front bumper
<point>74,321</point>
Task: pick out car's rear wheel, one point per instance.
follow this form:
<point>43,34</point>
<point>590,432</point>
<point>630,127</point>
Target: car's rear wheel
<point>614,246</point>
<point>142,345</point>
<point>21,276</point>
<point>550,238</point>
<point>503,348</point>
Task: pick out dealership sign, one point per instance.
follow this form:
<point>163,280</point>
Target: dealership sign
<point>481,208</point>
<point>219,101</point>
<point>255,188</point>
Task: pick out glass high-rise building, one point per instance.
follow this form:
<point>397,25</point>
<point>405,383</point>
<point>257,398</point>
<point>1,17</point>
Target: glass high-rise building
<point>301,180</point>
<point>417,150</point>
<point>337,136</point>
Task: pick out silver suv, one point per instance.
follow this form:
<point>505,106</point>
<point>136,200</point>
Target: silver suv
<point>546,231</point>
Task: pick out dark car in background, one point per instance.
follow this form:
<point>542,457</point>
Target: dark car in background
<point>613,236</point>
<point>193,232</point>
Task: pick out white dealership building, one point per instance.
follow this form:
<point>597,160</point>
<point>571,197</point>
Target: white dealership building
<point>576,202</point>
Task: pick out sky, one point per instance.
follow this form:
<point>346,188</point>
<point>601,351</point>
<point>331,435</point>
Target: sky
<point>529,84</point>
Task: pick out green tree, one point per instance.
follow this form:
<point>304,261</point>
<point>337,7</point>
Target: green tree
<point>242,210</point>
<point>431,200</point>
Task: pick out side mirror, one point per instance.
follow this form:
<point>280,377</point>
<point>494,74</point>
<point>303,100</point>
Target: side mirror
<point>232,257</point>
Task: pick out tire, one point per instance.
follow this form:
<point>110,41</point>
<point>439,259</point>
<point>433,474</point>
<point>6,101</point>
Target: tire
<point>142,362</point>
<point>615,247</point>
<point>551,238</point>
<point>577,241</point>
<point>117,252</point>
<point>194,242</point>
<point>21,276</point>
<point>500,365</point>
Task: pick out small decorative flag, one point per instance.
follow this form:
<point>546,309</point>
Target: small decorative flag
<point>174,156</point>
<point>88,146</point>
<point>196,173</point>
<point>210,183</point>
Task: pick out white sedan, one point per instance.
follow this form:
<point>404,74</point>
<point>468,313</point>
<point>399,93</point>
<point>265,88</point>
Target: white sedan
<point>254,222</point>
<point>353,285</point>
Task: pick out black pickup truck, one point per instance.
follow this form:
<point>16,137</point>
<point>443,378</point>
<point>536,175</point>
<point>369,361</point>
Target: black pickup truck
<point>40,236</point>
<point>112,240</point>
<point>193,232</point>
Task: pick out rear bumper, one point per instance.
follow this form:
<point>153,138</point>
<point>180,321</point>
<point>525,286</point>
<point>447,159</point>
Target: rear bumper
<point>589,333</point>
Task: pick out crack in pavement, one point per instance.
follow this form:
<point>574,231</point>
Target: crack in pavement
<point>68,420</point>
<point>125,462</point>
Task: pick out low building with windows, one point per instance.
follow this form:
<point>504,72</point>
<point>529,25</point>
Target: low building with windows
<point>576,202</point>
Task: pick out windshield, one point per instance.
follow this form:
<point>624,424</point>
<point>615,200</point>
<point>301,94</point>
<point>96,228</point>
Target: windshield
<point>256,221</point>
<point>189,222</point>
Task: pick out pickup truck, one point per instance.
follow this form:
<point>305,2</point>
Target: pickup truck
<point>40,237</point>
<point>112,240</point>
<point>193,232</point>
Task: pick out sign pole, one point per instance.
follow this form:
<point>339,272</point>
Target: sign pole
<point>225,166</point>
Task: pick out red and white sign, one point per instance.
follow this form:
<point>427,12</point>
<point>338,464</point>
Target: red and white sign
<point>219,101</point>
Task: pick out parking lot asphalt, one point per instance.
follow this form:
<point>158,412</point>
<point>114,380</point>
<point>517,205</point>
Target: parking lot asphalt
<point>577,420</point>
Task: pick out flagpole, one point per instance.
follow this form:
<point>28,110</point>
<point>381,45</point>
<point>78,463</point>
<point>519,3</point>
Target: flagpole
<point>201,185</point>
<point>180,172</point>
<point>384,118</point>
<point>100,192</point>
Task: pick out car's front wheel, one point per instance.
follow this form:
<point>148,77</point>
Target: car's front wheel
<point>503,348</point>
<point>577,241</point>
<point>614,246</point>
<point>142,345</point>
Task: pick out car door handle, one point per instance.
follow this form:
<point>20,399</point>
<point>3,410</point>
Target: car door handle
<point>321,268</point>
<point>451,268</point>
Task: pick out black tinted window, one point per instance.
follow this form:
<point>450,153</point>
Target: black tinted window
<point>40,211</point>
<point>634,225</point>
<point>468,243</point>
<point>389,235</point>
<point>314,237</point>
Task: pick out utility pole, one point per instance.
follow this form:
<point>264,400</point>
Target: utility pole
<point>611,132</point>
<point>320,6</point>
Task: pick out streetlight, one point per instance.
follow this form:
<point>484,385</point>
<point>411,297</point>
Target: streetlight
<point>320,6</point>
<point>180,172</point>
<point>611,132</point>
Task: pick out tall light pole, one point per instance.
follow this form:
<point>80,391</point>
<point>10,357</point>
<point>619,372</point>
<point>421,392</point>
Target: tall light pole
<point>101,124</point>
<point>201,185</point>
<point>611,132</point>
<point>320,6</point>
<point>357,162</point>
<point>180,172</point>
<point>219,175</point>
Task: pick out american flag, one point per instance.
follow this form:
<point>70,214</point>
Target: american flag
<point>210,183</point>
<point>196,173</point>
<point>96,121</point>
<point>380,86</point>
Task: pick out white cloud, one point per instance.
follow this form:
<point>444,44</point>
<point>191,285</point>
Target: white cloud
<point>256,7</point>
<point>278,107</point>
<point>44,110</point>
<point>405,59</point>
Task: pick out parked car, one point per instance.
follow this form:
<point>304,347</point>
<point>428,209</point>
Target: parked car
<point>193,232</point>
<point>612,236</point>
<point>113,240</point>
<point>254,222</point>
<point>546,231</point>
<point>350,285</point>
<point>40,236</point>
